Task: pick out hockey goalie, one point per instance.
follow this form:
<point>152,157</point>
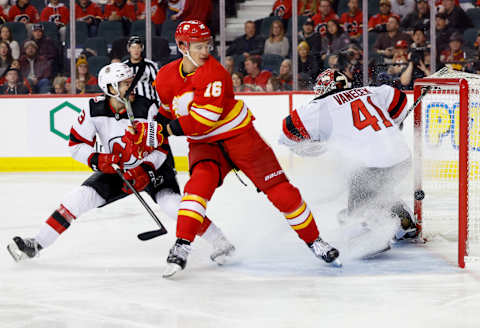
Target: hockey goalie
<point>363,124</point>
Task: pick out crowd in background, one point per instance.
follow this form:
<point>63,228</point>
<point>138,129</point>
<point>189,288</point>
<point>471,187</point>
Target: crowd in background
<point>34,41</point>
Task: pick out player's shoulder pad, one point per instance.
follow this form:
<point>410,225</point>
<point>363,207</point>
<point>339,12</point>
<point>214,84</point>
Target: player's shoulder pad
<point>97,106</point>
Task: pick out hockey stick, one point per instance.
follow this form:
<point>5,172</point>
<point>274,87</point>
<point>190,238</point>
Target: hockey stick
<point>425,90</point>
<point>128,106</point>
<point>148,234</point>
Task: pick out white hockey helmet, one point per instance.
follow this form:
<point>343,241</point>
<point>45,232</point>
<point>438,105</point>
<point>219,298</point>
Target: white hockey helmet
<point>330,80</point>
<point>113,74</point>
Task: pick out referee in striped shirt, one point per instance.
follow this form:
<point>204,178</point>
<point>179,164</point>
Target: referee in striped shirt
<point>144,86</point>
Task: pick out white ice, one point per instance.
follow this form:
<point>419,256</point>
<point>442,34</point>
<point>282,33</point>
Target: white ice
<point>98,274</point>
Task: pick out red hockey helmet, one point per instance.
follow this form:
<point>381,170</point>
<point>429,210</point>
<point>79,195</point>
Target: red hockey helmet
<point>330,80</point>
<point>192,31</point>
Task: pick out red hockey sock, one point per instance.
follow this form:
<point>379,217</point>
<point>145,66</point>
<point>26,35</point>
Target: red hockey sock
<point>60,219</point>
<point>288,200</point>
<point>206,223</point>
<point>191,215</point>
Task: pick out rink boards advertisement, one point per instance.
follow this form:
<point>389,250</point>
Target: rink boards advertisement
<point>36,129</point>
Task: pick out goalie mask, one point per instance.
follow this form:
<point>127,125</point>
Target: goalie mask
<point>112,75</point>
<point>330,80</point>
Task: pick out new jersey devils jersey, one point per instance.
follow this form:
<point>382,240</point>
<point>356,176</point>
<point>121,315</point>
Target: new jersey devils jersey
<point>100,120</point>
<point>203,101</point>
<point>361,122</point>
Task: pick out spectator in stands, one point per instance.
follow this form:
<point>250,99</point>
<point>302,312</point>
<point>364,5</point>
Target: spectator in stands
<point>121,11</point>
<point>402,8</point>
<point>379,21</point>
<point>159,13</point>
<point>455,54</point>
<point>285,75</point>
<point>418,67</point>
<point>324,15</point>
<point>5,57</point>
<point>273,84</point>
<point>237,80</point>
<point>419,39</point>
<point>195,9</point>
<point>6,35</point>
<point>46,47</point>
<point>309,35</point>
<point>282,9</point>
<point>332,61</point>
<point>23,11</point>
<point>35,68</point>
<point>352,66</point>
<point>85,82</point>
<point>457,18</point>
<point>229,64</point>
<point>16,64</point>
<point>352,20</point>
<point>419,17</point>
<point>56,12</point>
<point>90,13</point>
<point>335,40</point>
<point>3,16</point>
<point>307,64</point>
<point>399,60</point>
<point>387,40</point>
<point>247,44</point>
<point>59,85</point>
<point>277,43</point>
<point>13,84</point>
<point>443,31</point>
<point>308,7</point>
<point>256,78</point>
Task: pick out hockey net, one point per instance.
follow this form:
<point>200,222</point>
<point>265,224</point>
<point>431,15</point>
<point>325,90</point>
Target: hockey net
<point>446,160</point>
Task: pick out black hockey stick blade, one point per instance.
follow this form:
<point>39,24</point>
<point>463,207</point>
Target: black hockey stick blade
<point>144,236</point>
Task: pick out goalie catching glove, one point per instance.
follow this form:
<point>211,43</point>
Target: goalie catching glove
<point>149,135</point>
<point>140,177</point>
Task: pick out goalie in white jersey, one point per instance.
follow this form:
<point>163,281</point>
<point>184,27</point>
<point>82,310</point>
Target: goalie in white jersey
<point>106,118</point>
<point>363,122</point>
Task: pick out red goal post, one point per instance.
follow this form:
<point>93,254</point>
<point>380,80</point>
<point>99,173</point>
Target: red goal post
<point>446,160</point>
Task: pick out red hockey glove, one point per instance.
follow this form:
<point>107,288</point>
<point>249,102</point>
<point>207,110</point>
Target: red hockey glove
<point>148,137</point>
<point>103,162</point>
<point>139,177</point>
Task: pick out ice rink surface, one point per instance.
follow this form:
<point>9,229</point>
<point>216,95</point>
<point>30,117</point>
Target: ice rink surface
<point>98,274</point>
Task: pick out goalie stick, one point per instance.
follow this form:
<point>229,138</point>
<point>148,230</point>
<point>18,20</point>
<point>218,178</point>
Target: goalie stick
<point>148,234</point>
<point>425,90</point>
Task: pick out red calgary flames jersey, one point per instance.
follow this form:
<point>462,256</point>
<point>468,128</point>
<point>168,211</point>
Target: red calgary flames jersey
<point>203,101</point>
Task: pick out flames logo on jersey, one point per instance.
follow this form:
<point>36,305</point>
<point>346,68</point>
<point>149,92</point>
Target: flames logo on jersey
<point>181,104</point>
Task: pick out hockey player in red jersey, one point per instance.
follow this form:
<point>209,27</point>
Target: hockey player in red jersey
<point>154,173</point>
<point>364,123</point>
<point>198,102</point>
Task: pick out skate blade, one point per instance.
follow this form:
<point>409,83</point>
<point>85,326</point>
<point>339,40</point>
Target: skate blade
<point>336,263</point>
<point>15,252</point>
<point>171,269</point>
<point>223,257</point>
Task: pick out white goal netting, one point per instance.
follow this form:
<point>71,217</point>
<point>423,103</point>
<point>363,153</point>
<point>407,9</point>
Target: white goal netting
<point>440,136</point>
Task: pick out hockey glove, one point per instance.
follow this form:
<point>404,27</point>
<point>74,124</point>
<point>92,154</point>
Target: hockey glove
<point>103,162</point>
<point>140,177</point>
<point>148,136</point>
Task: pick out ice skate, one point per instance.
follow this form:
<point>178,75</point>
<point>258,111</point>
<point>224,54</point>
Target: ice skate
<point>22,249</point>
<point>177,258</point>
<point>325,251</point>
<point>223,250</point>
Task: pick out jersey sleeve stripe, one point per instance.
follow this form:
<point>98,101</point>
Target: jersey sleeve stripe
<point>203,120</point>
<point>398,104</point>
<point>75,139</point>
<point>205,113</point>
<point>211,108</point>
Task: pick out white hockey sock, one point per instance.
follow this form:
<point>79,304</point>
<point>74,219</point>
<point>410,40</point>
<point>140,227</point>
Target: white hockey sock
<point>212,234</point>
<point>46,236</point>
